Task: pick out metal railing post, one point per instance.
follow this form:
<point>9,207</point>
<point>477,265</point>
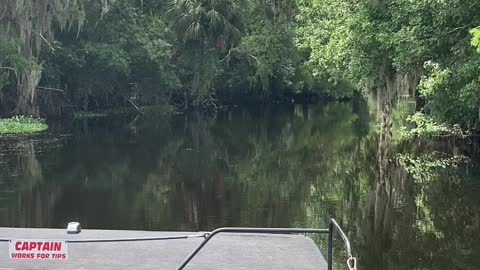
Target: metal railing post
<point>330,246</point>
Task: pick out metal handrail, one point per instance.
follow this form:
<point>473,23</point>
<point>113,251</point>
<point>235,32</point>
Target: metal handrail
<point>246,230</point>
<point>175,237</point>
<point>133,239</point>
<point>344,237</point>
<point>333,225</point>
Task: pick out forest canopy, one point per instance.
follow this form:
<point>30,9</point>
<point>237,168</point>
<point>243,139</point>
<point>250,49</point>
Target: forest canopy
<point>59,56</point>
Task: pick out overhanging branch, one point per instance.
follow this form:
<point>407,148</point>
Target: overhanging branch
<point>8,68</point>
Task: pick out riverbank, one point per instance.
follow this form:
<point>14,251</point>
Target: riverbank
<point>22,125</point>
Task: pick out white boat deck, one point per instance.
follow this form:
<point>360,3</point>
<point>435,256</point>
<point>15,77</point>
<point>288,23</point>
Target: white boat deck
<point>225,251</point>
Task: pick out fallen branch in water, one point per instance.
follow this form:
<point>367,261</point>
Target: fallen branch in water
<point>50,88</point>
<point>134,105</point>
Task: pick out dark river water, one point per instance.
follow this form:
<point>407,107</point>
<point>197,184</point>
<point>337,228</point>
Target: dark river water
<point>405,206</point>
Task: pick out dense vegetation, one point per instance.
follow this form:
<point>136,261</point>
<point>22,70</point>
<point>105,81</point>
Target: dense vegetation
<point>58,56</point>
<point>389,47</point>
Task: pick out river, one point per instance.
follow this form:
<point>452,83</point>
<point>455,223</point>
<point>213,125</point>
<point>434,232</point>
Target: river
<point>405,206</point>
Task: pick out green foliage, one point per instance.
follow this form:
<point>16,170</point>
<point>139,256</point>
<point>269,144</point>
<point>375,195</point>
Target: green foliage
<point>124,54</point>
<point>210,23</point>
<point>195,52</point>
<point>201,52</point>
<point>324,33</point>
<point>475,32</point>
<point>108,57</point>
<point>207,30</point>
<point>22,125</point>
<point>452,95</point>
<point>32,25</point>
<point>11,62</point>
<point>429,85</point>
<point>383,45</point>
<point>424,126</point>
<point>88,115</point>
<point>369,42</point>
<point>425,167</point>
<point>268,59</point>
<point>266,65</point>
<point>9,55</point>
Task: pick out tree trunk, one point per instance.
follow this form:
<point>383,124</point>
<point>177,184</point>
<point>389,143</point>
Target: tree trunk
<point>196,88</point>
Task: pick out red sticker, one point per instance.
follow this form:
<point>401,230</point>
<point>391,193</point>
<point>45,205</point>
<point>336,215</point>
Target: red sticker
<point>38,250</point>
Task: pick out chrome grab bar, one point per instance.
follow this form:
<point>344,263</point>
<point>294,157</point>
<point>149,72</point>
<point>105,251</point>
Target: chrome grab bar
<point>333,225</point>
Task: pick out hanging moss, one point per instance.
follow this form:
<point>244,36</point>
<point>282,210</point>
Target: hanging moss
<point>32,24</point>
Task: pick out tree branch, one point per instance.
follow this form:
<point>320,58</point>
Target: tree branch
<point>50,88</point>
<point>9,68</point>
<point>3,13</point>
<point>46,41</point>
<point>236,50</point>
<point>134,105</point>
<point>458,28</point>
<point>228,55</point>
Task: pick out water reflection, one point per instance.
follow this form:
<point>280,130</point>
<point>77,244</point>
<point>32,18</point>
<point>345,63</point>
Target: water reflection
<point>285,167</point>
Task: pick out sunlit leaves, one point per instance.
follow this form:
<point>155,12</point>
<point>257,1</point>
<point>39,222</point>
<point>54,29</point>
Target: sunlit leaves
<point>365,41</point>
<point>475,32</point>
<point>452,94</point>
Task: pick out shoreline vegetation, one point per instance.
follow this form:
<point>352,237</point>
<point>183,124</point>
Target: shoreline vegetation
<point>209,55</point>
<point>22,125</point>
<point>88,115</point>
<point>420,125</point>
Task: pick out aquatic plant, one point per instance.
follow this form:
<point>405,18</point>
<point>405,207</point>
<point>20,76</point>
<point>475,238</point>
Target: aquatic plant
<point>88,115</point>
<point>22,124</point>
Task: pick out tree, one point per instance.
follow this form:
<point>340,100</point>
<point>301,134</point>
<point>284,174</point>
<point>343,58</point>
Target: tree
<point>207,29</point>
<point>32,24</point>
<point>124,56</point>
<point>383,44</point>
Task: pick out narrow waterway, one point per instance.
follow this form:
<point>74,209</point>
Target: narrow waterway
<point>404,205</point>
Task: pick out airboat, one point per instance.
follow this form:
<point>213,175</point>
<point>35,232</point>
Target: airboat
<point>223,248</point>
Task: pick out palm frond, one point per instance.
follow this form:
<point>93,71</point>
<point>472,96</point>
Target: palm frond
<point>194,31</point>
<point>216,19</point>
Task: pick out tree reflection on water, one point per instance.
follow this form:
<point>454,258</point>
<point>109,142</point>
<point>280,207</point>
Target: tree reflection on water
<point>273,167</point>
